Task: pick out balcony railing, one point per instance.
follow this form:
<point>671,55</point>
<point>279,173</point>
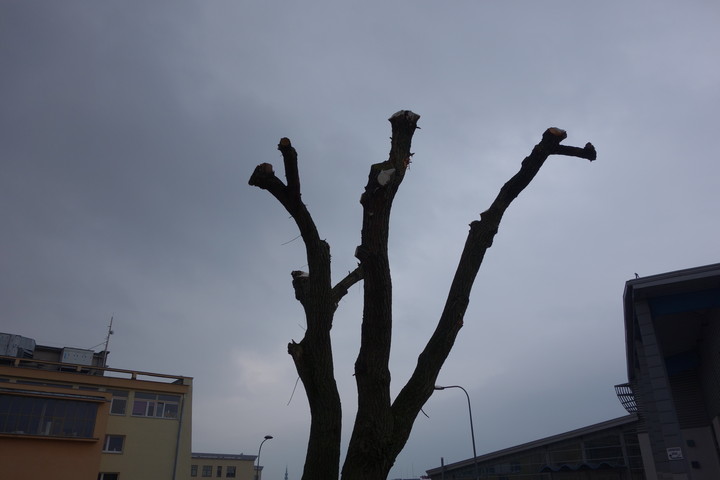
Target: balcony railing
<point>626,396</point>
<point>90,370</point>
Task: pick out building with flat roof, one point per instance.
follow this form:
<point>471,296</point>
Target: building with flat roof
<point>672,340</point>
<point>604,451</point>
<point>64,415</point>
<point>220,465</point>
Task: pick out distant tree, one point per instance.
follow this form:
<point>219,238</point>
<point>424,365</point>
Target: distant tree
<point>382,425</point>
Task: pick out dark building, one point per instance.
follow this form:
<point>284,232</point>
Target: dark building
<point>605,451</point>
<point>672,336</point>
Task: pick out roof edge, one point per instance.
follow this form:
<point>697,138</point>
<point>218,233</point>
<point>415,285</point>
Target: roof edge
<point>615,422</point>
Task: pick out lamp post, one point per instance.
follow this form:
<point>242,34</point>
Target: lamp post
<point>257,469</point>
<point>472,430</point>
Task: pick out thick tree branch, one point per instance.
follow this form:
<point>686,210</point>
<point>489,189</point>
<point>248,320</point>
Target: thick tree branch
<point>313,355</point>
<point>367,451</point>
<point>420,386</point>
<point>341,289</point>
<point>291,168</point>
<point>264,177</point>
<point>587,153</point>
<point>318,252</point>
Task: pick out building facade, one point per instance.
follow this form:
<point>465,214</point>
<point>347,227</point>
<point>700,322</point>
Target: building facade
<point>64,415</point>
<point>218,465</point>
<point>605,451</point>
<point>672,340</point>
<point>672,332</point>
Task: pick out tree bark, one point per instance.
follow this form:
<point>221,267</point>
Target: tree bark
<point>382,427</point>
<point>368,452</point>
<point>313,354</point>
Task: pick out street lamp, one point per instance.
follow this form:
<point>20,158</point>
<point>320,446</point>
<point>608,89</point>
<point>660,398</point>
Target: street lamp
<point>472,430</point>
<point>257,469</point>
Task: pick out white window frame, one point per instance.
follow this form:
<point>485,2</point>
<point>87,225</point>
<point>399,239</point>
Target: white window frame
<point>117,397</point>
<point>155,405</point>
<point>106,443</point>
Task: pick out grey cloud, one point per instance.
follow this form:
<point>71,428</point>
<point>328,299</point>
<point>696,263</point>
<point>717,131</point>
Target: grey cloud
<point>129,133</point>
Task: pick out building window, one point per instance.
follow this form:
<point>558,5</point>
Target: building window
<point>218,472</point>
<point>113,443</point>
<point>207,471</point>
<point>193,470</point>
<point>230,472</point>
<point>47,416</point>
<point>156,405</point>
<point>108,476</point>
<point>118,404</point>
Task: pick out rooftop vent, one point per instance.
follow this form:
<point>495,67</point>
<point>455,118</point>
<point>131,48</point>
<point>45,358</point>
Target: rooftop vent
<point>77,356</point>
<point>16,346</point>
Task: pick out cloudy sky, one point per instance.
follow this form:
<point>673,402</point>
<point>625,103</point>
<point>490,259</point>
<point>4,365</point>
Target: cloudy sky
<point>128,131</point>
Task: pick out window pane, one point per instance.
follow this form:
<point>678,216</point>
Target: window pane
<point>119,401</point>
<point>156,405</point>
<point>139,408</point>
<point>114,443</point>
<point>118,406</point>
<point>207,471</point>
<point>171,410</point>
<point>46,416</point>
<point>230,472</point>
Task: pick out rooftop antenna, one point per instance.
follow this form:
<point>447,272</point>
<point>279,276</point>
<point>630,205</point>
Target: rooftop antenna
<point>107,341</point>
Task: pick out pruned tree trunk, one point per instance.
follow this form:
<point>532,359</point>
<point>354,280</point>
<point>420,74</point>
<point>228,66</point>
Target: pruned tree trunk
<point>382,426</point>
<point>313,355</point>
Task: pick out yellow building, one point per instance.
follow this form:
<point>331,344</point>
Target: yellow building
<point>63,415</point>
<point>217,465</point>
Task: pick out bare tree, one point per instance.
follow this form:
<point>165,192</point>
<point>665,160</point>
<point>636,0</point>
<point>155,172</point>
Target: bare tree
<point>382,425</point>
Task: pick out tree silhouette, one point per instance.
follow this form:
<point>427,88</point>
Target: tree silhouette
<point>382,424</point>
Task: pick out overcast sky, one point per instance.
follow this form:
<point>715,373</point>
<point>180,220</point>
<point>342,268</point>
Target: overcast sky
<point>128,131</point>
